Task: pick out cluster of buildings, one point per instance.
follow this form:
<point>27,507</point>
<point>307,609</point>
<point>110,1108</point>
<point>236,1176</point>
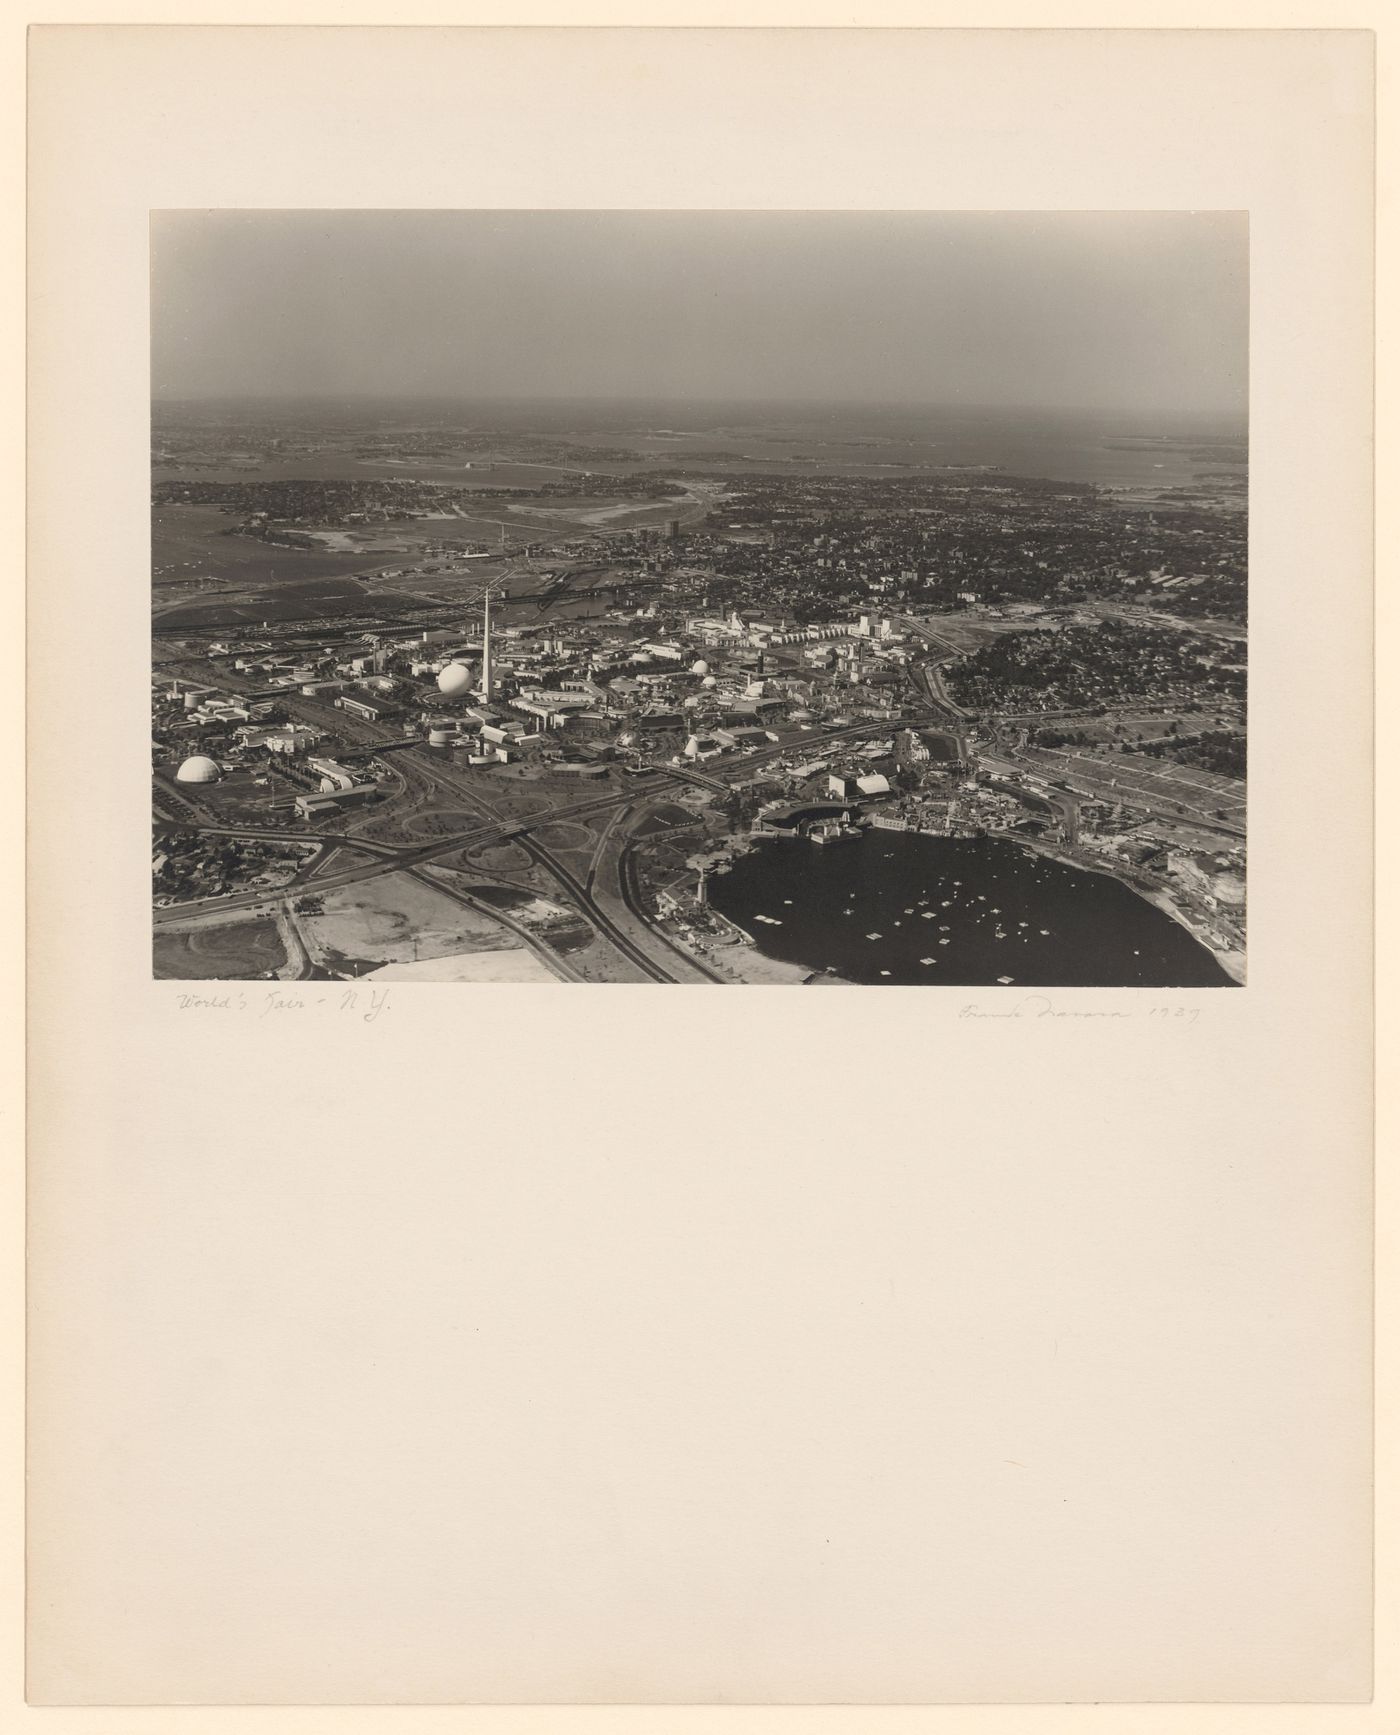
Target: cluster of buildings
<point>925,540</point>
<point>1105,663</point>
<point>685,684</point>
<point>716,683</point>
<point>185,866</point>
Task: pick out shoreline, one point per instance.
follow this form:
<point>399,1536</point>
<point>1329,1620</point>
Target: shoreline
<point>1230,960</point>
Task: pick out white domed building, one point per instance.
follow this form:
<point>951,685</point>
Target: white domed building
<point>455,681</point>
<point>709,682</point>
<point>700,667</point>
<point>198,769</point>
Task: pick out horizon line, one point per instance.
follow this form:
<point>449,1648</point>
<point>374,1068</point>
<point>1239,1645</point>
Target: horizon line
<point>464,396</point>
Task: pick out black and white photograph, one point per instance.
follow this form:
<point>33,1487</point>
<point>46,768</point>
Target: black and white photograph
<point>700,597</point>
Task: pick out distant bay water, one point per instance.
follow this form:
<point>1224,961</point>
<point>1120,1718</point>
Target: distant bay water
<point>851,440</point>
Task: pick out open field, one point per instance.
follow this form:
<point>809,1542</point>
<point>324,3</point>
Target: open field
<point>515,964</point>
<point>336,859</point>
<point>565,835</point>
<point>665,817</point>
<point>192,542</point>
<point>505,857</point>
<point>396,919</point>
<point>187,542</point>
<point>969,632</point>
<point>227,951</point>
<point>251,610</point>
<point>589,512</point>
<point>293,600</point>
<point>237,798</point>
<point>188,548</point>
<point>434,822</point>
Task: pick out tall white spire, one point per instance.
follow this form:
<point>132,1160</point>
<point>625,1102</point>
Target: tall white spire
<point>486,648</point>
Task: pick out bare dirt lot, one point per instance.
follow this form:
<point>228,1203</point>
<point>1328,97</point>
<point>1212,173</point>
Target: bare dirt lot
<point>397,919</point>
<point>515,964</point>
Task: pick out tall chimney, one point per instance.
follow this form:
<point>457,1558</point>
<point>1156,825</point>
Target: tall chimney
<point>486,650</point>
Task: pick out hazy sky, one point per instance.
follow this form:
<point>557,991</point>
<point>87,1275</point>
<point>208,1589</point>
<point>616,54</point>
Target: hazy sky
<point>1134,312</point>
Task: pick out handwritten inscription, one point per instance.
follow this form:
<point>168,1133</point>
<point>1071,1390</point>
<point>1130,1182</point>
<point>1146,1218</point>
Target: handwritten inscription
<point>1031,1006</point>
<point>366,1004</point>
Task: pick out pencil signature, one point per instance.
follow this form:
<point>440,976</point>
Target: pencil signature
<point>1042,1006</point>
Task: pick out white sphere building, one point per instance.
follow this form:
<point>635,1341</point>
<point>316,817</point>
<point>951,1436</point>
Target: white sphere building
<point>455,681</point>
<point>701,667</point>
<point>198,769</point>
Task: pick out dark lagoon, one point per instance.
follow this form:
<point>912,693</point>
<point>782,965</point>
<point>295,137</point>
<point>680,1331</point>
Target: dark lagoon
<point>898,907</point>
